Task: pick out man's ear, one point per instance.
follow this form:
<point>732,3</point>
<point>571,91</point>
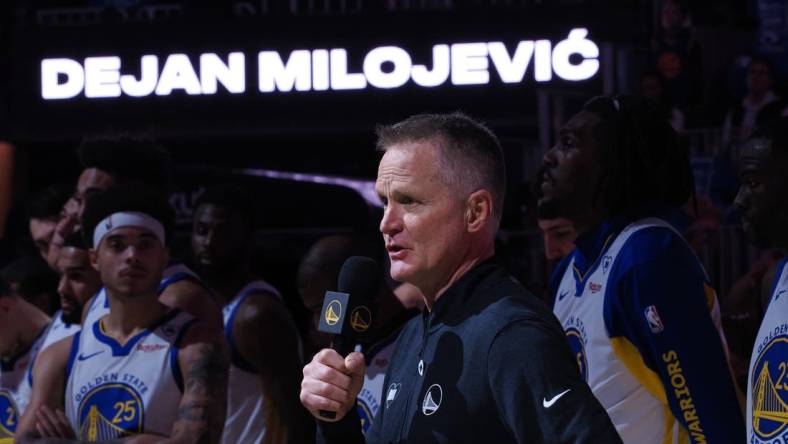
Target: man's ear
<point>93,253</point>
<point>479,210</point>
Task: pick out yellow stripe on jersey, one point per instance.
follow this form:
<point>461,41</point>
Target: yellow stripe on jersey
<point>669,426</point>
<point>630,357</point>
<point>684,437</point>
<point>711,296</point>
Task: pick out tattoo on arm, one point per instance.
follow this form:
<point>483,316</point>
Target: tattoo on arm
<point>201,414</point>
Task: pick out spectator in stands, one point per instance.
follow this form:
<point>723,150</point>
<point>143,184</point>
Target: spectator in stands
<point>760,105</point>
<point>676,55</point>
<point>653,87</point>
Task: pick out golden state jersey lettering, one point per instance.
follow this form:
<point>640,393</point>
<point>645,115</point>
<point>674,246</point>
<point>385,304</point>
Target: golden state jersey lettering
<point>370,397</point>
<point>118,390</point>
<point>576,334</point>
<point>683,395</point>
<point>767,388</point>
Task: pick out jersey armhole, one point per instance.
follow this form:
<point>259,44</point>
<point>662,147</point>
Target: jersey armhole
<point>175,367</point>
<point>235,356</point>
<point>177,277</point>
<point>777,276</point>
<point>73,353</point>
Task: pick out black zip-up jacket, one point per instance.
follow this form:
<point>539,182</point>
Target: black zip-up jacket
<point>488,364</point>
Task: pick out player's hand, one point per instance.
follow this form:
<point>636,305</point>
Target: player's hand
<point>53,424</point>
<point>331,383</point>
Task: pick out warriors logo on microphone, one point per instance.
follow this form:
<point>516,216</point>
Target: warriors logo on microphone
<point>333,312</point>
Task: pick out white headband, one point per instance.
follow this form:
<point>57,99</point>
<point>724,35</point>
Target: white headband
<point>127,219</point>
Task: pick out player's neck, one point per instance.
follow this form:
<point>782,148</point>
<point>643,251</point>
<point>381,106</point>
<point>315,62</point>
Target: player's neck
<point>127,316</point>
<point>587,223</point>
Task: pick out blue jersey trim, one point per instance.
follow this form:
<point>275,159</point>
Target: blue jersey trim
<point>177,277</point>
<point>778,275</point>
<point>176,347</point>
<point>72,355</point>
<point>124,349</point>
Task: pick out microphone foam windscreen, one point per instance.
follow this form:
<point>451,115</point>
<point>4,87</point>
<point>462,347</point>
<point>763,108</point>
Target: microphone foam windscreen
<point>359,276</point>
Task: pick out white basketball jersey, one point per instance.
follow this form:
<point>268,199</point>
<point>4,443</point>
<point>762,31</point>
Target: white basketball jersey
<point>58,330</point>
<point>370,397</point>
<point>16,387</point>
<point>767,382</point>
<point>638,415</point>
<point>246,401</point>
<point>117,390</point>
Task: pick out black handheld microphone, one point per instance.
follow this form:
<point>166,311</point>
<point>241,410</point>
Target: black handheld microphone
<point>348,312</point>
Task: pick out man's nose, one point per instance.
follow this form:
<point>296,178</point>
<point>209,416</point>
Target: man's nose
<point>391,222</point>
<point>61,286</point>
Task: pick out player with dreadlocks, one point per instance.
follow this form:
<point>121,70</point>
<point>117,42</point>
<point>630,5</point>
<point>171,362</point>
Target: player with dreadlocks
<point>635,302</point>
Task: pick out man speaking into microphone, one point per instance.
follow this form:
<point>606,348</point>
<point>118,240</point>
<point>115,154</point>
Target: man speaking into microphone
<point>486,361</point>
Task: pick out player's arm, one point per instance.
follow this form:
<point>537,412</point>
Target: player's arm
<point>661,305</point>
<point>49,387</point>
<point>193,298</point>
<point>538,390</point>
<point>204,365</point>
<point>266,338</point>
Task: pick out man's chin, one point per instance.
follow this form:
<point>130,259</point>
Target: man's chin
<point>71,316</point>
<point>399,272</point>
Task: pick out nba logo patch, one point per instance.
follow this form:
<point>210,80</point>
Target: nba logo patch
<point>654,322</point>
<point>606,262</point>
